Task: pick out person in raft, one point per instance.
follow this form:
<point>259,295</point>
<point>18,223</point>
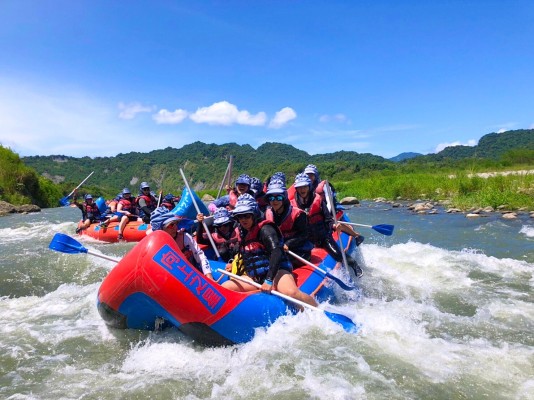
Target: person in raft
<point>291,221</point>
<point>146,202</point>
<point>89,209</point>
<point>261,249</point>
<point>162,219</point>
<point>224,234</point>
<point>127,211</point>
<point>320,221</point>
<point>242,185</point>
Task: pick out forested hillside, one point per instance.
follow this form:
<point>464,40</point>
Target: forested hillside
<point>20,184</point>
<point>205,164</point>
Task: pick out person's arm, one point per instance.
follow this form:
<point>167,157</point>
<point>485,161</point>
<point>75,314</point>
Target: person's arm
<point>269,237</point>
<point>328,219</point>
<point>143,206</point>
<point>199,255</point>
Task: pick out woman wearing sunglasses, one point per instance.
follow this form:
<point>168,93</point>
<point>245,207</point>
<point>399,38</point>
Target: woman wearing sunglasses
<point>291,221</point>
<point>174,225</point>
<point>261,248</point>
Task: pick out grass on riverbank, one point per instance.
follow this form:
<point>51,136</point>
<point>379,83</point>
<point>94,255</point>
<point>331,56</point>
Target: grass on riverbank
<point>462,190</point>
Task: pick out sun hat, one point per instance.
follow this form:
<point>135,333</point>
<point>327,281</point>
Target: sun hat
<point>221,216</point>
<point>276,187</point>
<point>161,217</point>
<point>246,204</point>
<point>244,179</point>
<point>302,180</point>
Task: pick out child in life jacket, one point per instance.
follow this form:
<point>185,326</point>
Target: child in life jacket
<point>223,234</point>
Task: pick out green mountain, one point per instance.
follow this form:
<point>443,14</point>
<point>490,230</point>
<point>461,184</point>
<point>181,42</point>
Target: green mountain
<point>492,146</point>
<point>205,164</point>
<point>404,156</point>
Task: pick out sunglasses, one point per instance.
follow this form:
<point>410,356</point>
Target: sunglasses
<point>243,216</point>
<point>278,197</point>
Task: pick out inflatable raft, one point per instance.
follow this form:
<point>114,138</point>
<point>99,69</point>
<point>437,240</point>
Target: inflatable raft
<point>136,230</point>
<point>154,287</point>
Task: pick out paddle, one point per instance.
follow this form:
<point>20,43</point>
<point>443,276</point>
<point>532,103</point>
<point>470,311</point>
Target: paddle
<point>64,201</point>
<point>198,212</point>
<point>225,177</point>
<point>384,229</point>
<point>230,165</point>
<point>66,244</point>
<point>341,319</point>
<point>332,206</point>
<point>342,284</point>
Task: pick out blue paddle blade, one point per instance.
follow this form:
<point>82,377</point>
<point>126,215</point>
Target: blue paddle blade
<point>64,201</point>
<point>347,324</point>
<point>341,284</point>
<point>66,244</point>
<point>384,229</point>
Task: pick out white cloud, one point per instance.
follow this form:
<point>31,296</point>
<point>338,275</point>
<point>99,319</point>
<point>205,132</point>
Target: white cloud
<point>225,113</point>
<point>129,111</point>
<point>441,146</point>
<point>502,130</point>
<point>170,117</point>
<point>282,117</point>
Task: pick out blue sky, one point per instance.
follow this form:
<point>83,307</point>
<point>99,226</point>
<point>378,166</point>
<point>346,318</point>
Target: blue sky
<point>98,78</point>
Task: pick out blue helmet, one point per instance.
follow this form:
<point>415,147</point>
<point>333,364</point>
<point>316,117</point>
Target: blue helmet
<point>246,204</point>
<point>302,180</point>
<point>244,179</point>
<point>221,216</point>
<point>88,196</point>
<point>126,191</point>
<point>169,198</point>
<point>276,186</point>
<point>144,185</point>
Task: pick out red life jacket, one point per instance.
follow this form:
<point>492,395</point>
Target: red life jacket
<point>127,205</point>
<point>286,227</point>
<point>91,208</point>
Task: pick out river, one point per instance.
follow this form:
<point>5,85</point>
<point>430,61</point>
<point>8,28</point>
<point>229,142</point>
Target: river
<point>446,307</point>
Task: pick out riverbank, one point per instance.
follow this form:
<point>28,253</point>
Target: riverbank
<point>8,208</point>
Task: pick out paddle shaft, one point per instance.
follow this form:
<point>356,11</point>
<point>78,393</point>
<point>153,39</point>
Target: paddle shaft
<point>198,212</point>
<point>230,166</point>
<point>275,292</point>
<point>102,256</point>
<point>330,198</point>
<point>326,274</point>
<point>223,180</point>
<point>355,224</point>
<point>307,262</point>
<point>77,187</point>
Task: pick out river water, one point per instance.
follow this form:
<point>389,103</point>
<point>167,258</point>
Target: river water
<point>446,306</point>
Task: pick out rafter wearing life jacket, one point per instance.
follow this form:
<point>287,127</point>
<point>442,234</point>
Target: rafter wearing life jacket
<point>254,254</point>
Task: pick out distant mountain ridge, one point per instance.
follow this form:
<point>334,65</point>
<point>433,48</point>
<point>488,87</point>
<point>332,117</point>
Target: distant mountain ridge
<point>205,164</point>
<point>404,156</point>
